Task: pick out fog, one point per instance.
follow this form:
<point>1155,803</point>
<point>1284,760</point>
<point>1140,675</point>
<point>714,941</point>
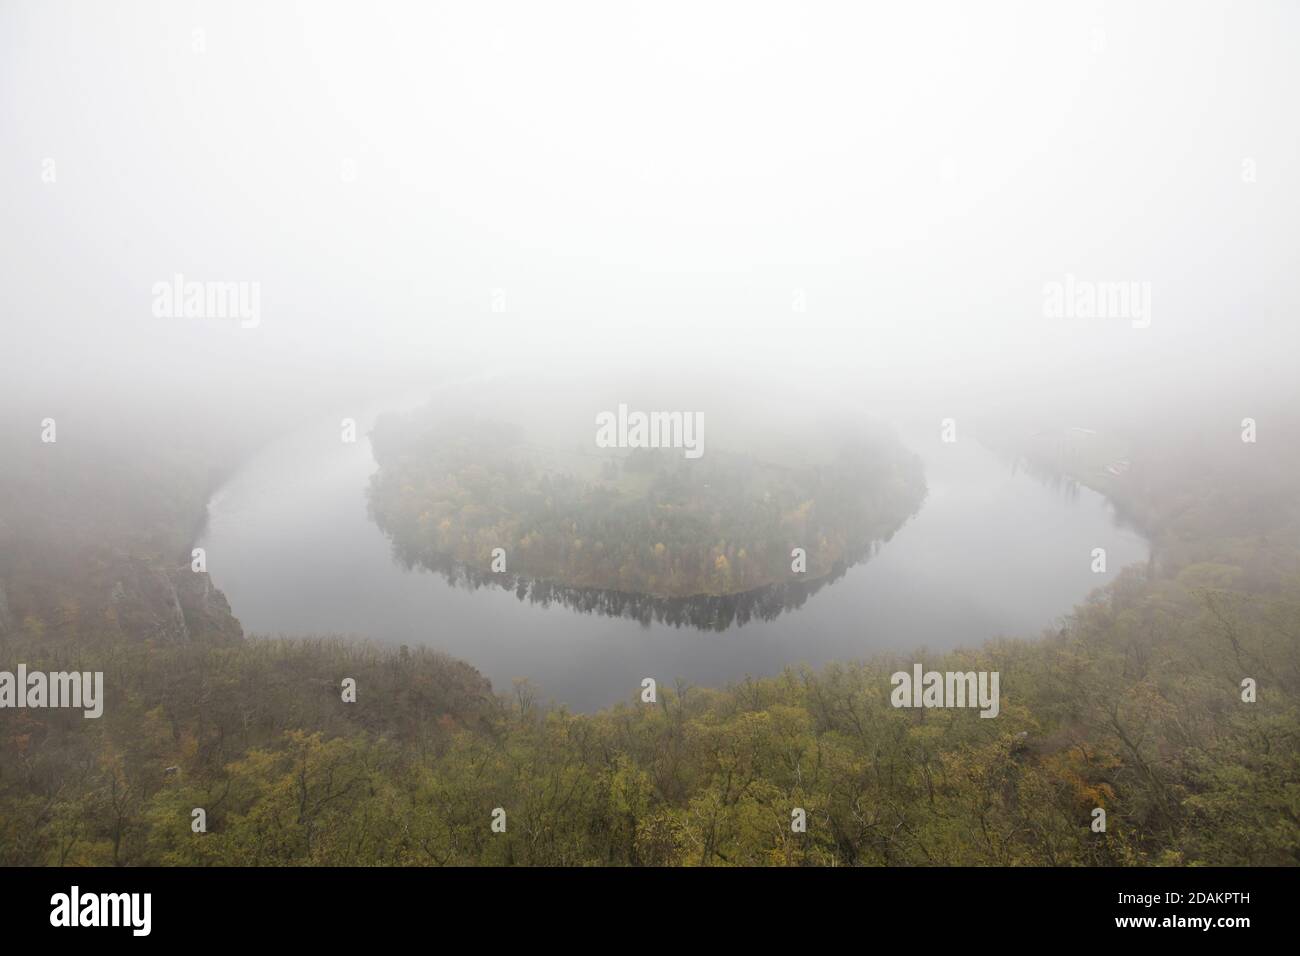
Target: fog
<point>815,200</point>
<point>630,418</point>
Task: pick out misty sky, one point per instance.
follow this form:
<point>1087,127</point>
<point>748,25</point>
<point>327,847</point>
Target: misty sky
<point>650,186</point>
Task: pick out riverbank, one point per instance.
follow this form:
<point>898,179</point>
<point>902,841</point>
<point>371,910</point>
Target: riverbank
<point>1134,706</point>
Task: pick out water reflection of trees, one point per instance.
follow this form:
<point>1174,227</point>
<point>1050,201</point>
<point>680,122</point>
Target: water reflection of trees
<point>703,612</point>
<point>1054,473</point>
<point>1058,466</point>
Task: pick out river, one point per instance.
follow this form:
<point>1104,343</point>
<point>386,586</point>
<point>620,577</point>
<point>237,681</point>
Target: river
<point>993,551</point>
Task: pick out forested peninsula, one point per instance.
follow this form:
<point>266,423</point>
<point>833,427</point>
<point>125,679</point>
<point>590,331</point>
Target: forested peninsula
<point>648,521</point>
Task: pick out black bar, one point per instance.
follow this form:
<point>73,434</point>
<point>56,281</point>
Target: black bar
<point>332,905</point>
